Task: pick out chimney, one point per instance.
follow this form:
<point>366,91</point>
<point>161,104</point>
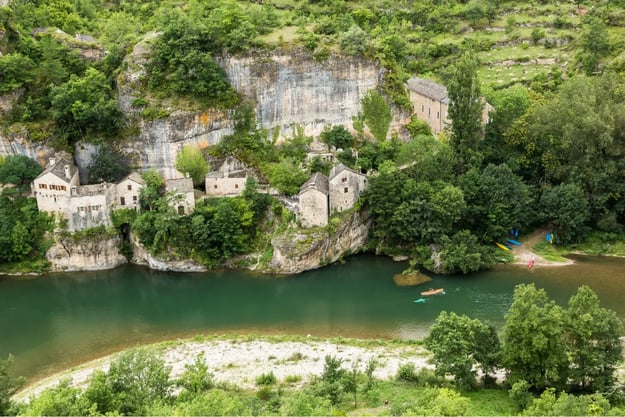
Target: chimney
<point>52,161</point>
<point>67,172</point>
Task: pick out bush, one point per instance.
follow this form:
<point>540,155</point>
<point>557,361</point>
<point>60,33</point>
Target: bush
<point>266,379</point>
<point>407,373</point>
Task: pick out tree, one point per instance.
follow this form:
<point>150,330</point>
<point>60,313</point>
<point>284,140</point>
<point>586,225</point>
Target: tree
<point>462,253</point>
<point>196,378</point>
<point>190,161</point>
<point>354,41</point>
<point>377,114</point>
<point>566,207</point>
<point>85,105</point>
<point>533,347</point>
<point>593,341</point>
<point>595,44</point>
<point>108,165</point>
<point>61,400</point>
<point>459,345</point>
<point>19,170</point>
<point>9,385</point>
<point>465,107</point>
<point>286,176</point>
<point>338,137</point>
<point>551,404</point>
<point>152,191</point>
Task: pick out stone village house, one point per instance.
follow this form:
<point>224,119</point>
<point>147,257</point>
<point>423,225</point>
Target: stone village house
<point>321,196</point>
<point>229,179</point>
<point>431,103</point>
<point>57,190</point>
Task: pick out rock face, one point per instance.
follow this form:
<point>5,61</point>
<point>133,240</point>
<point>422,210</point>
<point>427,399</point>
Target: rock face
<point>142,257</point>
<point>303,250</point>
<point>292,88</point>
<point>90,254</point>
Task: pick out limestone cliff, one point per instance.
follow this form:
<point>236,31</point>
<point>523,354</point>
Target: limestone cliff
<point>92,254</point>
<point>141,256</point>
<point>300,250</point>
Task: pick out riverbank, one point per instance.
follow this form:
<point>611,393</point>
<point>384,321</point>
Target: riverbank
<point>240,360</point>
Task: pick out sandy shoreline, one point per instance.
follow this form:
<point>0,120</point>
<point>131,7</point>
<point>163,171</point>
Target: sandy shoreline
<point>240,362</point>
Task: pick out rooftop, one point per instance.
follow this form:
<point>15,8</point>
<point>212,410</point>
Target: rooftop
<point>58,169</point>
<point>317,182</point>
<point>428,88</point>
<point>182,185</point>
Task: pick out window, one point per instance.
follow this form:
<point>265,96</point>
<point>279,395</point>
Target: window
<point>215,186</point>
<point>134,198</point>
<point>437,114</point>
<point>429,111</point>
<point>422,108</point>
<point>236,185</point>
<point>345,189</point>
<point>122,201</point>
<point>43,186</point>
<point>129,187</point>
<point>82,209</point>
<point>343,179</point>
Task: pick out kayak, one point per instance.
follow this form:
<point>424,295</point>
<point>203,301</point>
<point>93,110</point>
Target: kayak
<point>420,300</point>
<point>514,242</point>
<point>500,246</point>
<point>433,291</point>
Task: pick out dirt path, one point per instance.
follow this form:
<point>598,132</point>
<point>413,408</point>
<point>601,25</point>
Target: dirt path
<point>523,254</point>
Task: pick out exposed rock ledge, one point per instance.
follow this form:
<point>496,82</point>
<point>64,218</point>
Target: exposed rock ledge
<point>142,257</point>
<point>305,249</point>
<point>88,254</point>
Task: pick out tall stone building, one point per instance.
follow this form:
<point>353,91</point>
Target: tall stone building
<point>183,194</point>
<point>345,187</point>
<point>313,201</point>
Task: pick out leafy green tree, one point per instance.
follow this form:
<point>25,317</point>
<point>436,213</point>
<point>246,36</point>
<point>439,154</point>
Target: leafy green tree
<point>330,383</point>
<point>377,114</point>
<point>286,176</point>
<point>418,127</point>
<point>550,404</point>
<point>439,402</point>
<point>85,105</point>
<point>497,199</point>
<point>216,402</point>
<point>196,377</point>
<point>338,137</point>
<point>137,378</point>
<point>9,385</point>
<point>566,207</point>
<point>19,170</point>
<point>465,107</point>
<point>306,404</point>
<point>595,44</point>
<point>354,41</point>
<point>460,345</point>
<point>151,193</point>
<point>190,161</point>
<point>15,71</point>
<point>462,253</point>
<point>108,165</point>
<point>61,400</point>
<point>318,164</point>
<point>593,341</point>
<point>533,347</point>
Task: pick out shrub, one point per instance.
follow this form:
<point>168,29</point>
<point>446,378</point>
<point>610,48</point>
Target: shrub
<point>266,379</point>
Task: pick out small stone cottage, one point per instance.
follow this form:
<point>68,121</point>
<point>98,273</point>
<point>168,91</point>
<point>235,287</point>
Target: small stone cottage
<point>229,179</point>
<point>313,201</point>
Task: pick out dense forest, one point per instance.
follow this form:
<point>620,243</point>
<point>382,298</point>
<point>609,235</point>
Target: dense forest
<point>551,155</point>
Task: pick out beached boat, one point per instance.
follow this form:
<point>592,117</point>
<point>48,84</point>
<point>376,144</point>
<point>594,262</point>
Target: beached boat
<point>433,291</point>
<point>500,246</point>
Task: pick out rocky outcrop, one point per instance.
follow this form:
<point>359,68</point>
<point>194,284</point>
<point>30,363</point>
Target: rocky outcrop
<point>141,256</point>
<point>88,254</point>
<point>300,250</point>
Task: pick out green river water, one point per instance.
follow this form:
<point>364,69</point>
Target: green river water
<point>59,320</point>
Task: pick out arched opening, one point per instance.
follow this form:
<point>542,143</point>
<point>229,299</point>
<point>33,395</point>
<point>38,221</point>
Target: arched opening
<point>181,210</point>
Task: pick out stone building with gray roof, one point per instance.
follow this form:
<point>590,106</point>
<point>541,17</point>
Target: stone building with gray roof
<point>430,101</point>
<point>183,194</point>
<point>313,201</point>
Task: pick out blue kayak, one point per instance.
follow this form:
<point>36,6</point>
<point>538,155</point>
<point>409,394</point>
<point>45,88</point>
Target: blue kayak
<point>420,300</point>
<point>513,242</point>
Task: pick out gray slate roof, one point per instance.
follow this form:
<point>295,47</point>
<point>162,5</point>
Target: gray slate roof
<point>181,185</point>
<point>58,169</point>
<point>317,182</point>
<point>428,88</point>
<point>133,176</point>
<point>336,170</point>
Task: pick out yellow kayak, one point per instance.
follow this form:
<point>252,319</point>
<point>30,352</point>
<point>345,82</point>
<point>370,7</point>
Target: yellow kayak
<point>501,246</point>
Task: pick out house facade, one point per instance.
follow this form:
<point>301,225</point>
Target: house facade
<point>345,187</point>
<point>431,104</point>
<point>58,191</point>
<point>313,201</point>
<point>183,194</point>
<point>229,179</point>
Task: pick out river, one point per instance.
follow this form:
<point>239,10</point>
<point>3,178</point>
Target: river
<point>59,320</point>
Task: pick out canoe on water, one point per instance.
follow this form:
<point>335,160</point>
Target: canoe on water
<point>433,291</point>
<point>500,246</point>
<point>420,300</point>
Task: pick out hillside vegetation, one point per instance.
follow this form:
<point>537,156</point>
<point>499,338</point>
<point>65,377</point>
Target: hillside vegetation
<point>552,154</point>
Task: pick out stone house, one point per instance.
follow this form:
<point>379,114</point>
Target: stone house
<point>313,201</point>
<point>345,187</point>
<point>128,189</point>
<point>322,196</point>
<point>183,193</point>
<point>57,190</point>
<point>431,104</point>
<point>228,179</point>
